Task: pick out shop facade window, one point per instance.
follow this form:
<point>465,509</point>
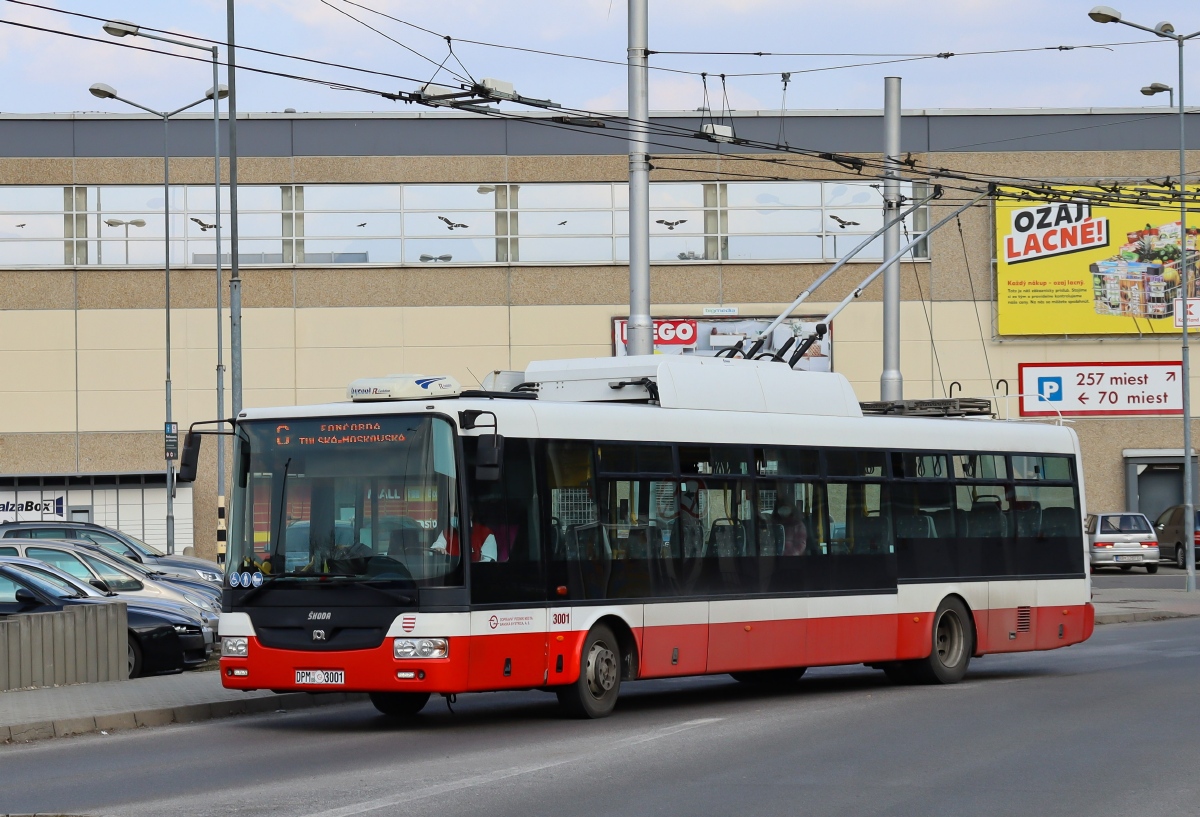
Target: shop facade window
<point>439,224</point>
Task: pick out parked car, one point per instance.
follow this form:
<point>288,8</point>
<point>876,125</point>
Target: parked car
<point>1122,540</point>
<point>158,640</point>
<point>101,571</point>
<point>60,578</point>
<point>118,542</point>
<point>1171,535</point>
<point>54,575</point>
<point>193,586</point>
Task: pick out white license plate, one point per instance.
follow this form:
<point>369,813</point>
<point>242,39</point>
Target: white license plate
<point>1127,558</point>
<point>320,676</point>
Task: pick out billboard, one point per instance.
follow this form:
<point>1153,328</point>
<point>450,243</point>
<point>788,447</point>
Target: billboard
<point>1076,268</point>
<point>706,336</point>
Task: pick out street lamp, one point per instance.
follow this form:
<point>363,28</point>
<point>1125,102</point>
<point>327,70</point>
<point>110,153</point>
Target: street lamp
<point>122,28</point>
<point>108,92</point>
<point>133,222</point>
<point>1157,88</point>
<point>1107,14</point>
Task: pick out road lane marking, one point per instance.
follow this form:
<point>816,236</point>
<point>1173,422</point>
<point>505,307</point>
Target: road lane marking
<point>503,774</point>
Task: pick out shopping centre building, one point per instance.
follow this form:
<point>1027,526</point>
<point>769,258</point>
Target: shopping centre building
<point>444,243</point>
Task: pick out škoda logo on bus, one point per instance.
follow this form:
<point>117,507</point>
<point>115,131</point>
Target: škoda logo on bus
<point>1047,230</point>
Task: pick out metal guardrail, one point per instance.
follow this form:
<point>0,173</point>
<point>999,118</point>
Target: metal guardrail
<point>81,644</point>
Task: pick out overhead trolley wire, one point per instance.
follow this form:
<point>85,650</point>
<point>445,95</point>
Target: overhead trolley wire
<point>1031,189</point>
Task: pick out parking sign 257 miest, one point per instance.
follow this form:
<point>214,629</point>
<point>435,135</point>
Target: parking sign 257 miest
<point>1100,389</point>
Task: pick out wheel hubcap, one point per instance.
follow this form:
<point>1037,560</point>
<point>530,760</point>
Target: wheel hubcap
<point>129,658</point>
<point>948,639</point>
<point>601,669</point>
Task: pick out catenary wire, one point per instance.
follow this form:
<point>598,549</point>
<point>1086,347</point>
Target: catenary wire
<point>1028,192</point>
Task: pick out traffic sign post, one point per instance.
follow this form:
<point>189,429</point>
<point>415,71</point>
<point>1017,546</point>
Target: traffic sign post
<point>1101,389</point>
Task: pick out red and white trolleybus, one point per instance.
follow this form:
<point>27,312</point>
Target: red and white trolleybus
<point>587,523</point>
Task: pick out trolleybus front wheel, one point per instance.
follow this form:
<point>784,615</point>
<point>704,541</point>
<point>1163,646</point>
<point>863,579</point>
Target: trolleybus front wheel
<point>399,704</point>
<point>594,693</point>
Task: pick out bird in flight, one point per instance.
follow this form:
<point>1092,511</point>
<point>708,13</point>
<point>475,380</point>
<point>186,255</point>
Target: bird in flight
<point>452,225</point>
<point>843,224</point>
<point>364,224</point>
<point>561,223</point>
<point>23,224</point>
<point>204,228</point>
<point>671,225</point>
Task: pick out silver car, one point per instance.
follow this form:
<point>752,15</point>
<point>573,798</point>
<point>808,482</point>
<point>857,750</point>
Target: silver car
<point>1122,540</point>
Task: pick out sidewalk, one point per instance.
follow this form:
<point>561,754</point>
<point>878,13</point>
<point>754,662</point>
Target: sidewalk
<point>1119,605</point>
<point>33,714</point>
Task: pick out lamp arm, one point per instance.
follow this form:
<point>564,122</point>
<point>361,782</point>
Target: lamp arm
<point>142,33</point>
<point>136,105</point>
<point>185,107</point>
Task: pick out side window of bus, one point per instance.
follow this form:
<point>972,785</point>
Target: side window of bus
<point>984,511</point>
<point>506,543</point>
<point>789,521</point>
<point>859,519</point>
<point>573,515</point>
<point>922,497</point>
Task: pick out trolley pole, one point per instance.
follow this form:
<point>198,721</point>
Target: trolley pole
<point>891,381</point>
<point>640,328</point>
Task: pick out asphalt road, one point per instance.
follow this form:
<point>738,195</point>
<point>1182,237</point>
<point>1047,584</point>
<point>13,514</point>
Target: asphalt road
<point>1081,731</point>
<point>1166,577</point>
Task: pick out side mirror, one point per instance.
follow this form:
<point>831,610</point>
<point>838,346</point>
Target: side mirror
<point>488,456</point>
<point>100,585</point>
<point>26,596</point>
<point>189,458</point>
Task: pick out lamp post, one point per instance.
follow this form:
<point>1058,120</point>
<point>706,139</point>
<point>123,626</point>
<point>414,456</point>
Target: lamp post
<point>1157,88</point>
<point>133,222</point>
<point>108,92</point>
<point>121,28</point>
<point>1107,14</point>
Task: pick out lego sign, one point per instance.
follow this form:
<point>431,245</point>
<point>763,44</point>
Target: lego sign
<point>1100,389</point>
<point>668,332</point>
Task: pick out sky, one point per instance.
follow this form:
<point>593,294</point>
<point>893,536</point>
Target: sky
<point>48,72</point>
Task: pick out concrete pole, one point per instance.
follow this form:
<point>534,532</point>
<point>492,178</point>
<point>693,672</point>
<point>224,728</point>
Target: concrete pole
<point>1189,503</point>
<point>891,382</point>
<point>640,329</point>
<point>235,281</point>
<point>220,339</point>
<point>167,272</point>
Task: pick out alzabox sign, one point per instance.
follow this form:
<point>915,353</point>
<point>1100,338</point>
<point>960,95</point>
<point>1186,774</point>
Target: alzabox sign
<point>42,506</point>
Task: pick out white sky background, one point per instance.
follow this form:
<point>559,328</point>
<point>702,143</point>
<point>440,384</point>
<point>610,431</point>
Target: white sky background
<point>47,72</point>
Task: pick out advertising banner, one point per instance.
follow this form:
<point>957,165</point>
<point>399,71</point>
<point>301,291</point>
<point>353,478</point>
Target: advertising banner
<point>1075,268</point>
<point>706,336</point>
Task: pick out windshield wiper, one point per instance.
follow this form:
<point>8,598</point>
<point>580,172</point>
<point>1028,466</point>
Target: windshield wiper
<point>370,585</point>
<point>293,574</point>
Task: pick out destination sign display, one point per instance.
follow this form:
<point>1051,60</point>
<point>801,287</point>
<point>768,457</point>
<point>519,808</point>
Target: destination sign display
<point>347,432</point>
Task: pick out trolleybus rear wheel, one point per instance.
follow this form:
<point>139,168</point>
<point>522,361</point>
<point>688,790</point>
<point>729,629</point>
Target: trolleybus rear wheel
<point>399,704</point>
<point>594,693</point>
<point>953,644</point>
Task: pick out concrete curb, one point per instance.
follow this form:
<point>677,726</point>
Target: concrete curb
<point>1148,615</point>
<point>187,713</point>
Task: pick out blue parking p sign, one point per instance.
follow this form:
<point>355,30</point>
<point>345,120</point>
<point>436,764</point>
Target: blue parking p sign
<point>1050,389</point>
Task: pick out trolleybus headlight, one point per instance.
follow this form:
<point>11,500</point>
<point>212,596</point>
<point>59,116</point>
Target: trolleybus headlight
<point>421,648</point>
<point>233,647</point>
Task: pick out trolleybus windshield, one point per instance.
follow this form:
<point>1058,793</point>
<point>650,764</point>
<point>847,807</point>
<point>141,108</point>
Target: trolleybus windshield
<point>356,498</point>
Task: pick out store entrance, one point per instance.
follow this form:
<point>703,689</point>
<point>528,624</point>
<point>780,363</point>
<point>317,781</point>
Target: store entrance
<point>1159,487</point>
